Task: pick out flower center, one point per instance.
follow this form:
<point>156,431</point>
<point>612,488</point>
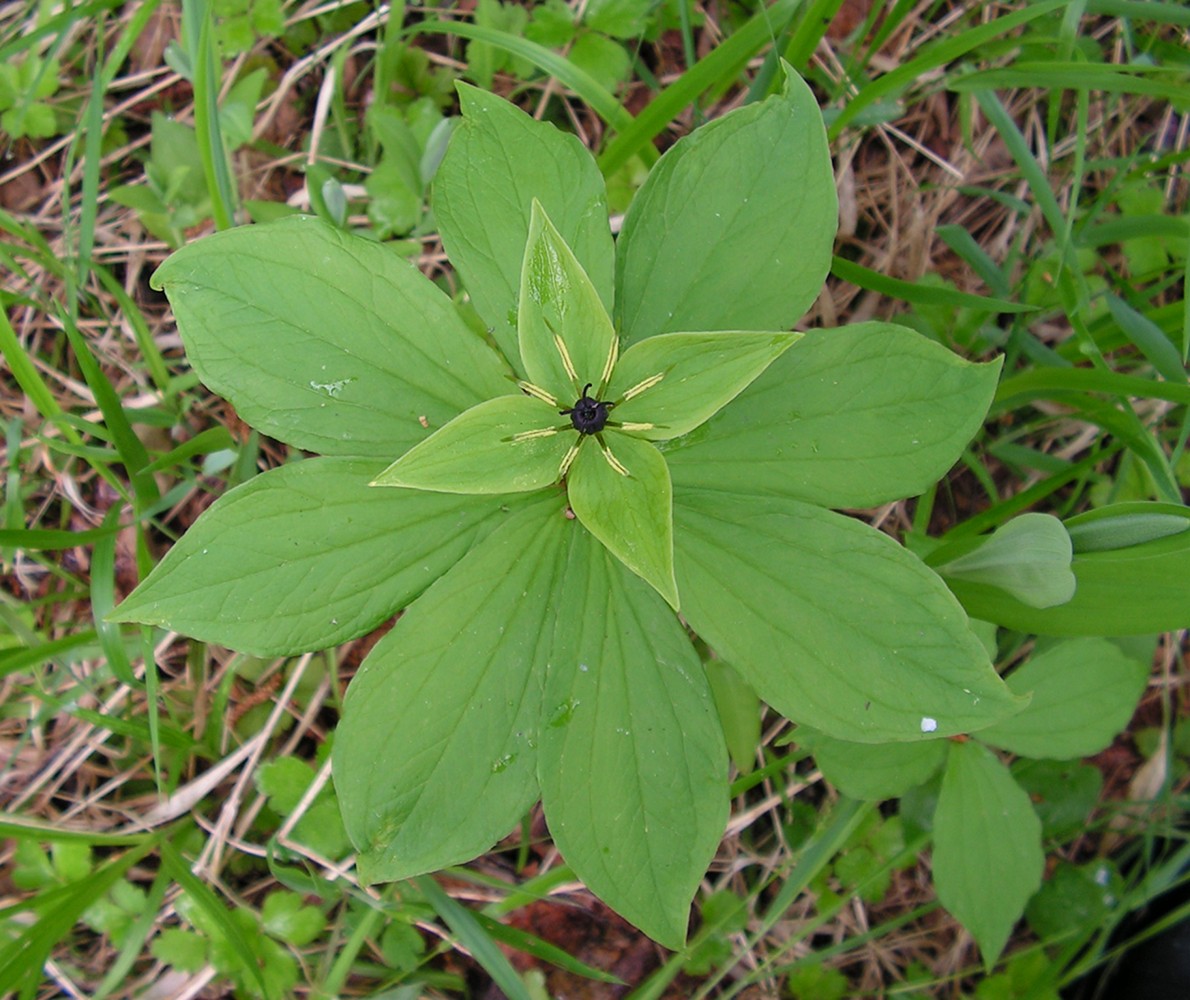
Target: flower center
<point>588,415</point>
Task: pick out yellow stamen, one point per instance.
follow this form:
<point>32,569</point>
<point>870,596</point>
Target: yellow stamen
<point>641,386</point>
<point>536,392</point>
<point>543,432</point>
<point>611,459</point>
<point>568,459</point>
<point>612,356</point>
<point>566,362</point>
<point>632,426</point>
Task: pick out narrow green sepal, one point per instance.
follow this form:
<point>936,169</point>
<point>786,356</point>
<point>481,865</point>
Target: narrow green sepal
<point>511,444</point>
<point>566,336</point>
<point>631,514</point>
<point>700,374</point>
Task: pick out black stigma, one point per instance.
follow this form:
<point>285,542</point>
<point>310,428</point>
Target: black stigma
<point>588,416</point>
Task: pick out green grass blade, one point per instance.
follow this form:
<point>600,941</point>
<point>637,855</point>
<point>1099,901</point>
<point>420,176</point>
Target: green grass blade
<point>1143,10</point>
<point>103,600</point>
<point>15,828</point>
<point>132,453</point>
<point>52,539</point>
<point>908,291</point>
<point>588,89</point>
<point>199,36</point>
<point>71,17</point>
<point>725,61</point>
<point>1039,383</point>
<point>150,353</point>
<point>530,944</point>
<point>1058,76</point>
<point>21,959</point>
<point>979,260</point>
<point>208,902</point>
<point>1149,339</point>
<point>135,938</point>
<point>946,50</point>
<point>474,938</point>
<point>810,31</point>
<point>31,383</point>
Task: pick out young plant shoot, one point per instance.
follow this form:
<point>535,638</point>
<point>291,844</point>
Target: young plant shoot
<point>636,433</point>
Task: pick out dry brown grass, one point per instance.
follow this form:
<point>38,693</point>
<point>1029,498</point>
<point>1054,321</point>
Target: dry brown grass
<point>898,183</point>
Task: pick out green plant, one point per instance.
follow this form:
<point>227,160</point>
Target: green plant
<point>25,87</point>
<point>260,962</point>
<point>175,197</point>
<point>541,657</point>
<point>988,852</point>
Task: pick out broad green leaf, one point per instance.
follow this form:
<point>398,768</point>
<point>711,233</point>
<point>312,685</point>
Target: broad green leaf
<point>701,373</point>
<point>873,771</point>
<point>987,847</point>
<point>1063,793</point>
<point>618,18</point>
<point>566,336</point>
<point>1131,589</point>
<point>832,622</point>
<point>319,337</point>
<point>484,451</point>
<point>852,417</point>
<point>1076,900</point>
<point>632,764</point>
<point>1084,692</point>
<point>1029,557</point>
<point>498,161</point>
<point>435,758</point>
<point>630,511</point>
<point>733,228</point>
<point>606,60</point>
<point>303,557</point>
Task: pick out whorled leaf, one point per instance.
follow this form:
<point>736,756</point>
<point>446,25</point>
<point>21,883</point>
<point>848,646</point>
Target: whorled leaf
<point>873,771</point>
<point>498,161</point>
<point>832,622</point>
<point>988,857</point>
<point>318,337</point>
<point>629,509</point>
<point>700,373</point>
<point>566,336</point>
<point>734,226</point>
<point>304,556</point>
<point>435,758</point>
<point>852,417</point>
<point>1083,692</point>
<point>632,764</point>
<point>511,444</point>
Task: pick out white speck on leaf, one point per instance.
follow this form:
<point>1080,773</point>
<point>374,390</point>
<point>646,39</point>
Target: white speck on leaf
<point>928,725</point>
<point>332,388</point>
